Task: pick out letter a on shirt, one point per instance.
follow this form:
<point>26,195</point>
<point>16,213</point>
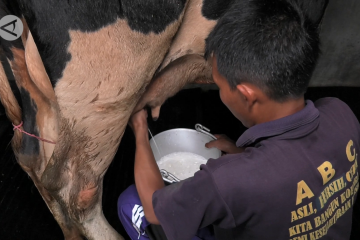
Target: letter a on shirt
<point>303,191</point>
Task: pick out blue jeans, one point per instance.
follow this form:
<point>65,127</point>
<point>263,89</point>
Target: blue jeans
<point>131,215</point>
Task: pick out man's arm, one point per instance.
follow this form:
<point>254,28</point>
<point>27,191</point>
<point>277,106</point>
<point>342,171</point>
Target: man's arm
<point>147,175</point>
<point>224,144</point>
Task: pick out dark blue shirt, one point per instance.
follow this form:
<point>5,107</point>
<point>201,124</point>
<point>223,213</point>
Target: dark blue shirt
<point>297,179</point>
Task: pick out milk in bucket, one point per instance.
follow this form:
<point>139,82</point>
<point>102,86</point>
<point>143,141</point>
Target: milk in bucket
<point>181,164</point>
<point>179,152</point>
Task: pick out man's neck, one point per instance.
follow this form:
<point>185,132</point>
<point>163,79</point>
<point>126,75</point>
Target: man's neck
<point>272,110</point>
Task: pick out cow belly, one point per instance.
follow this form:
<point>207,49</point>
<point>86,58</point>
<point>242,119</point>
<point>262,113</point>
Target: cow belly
<point>184,63</point>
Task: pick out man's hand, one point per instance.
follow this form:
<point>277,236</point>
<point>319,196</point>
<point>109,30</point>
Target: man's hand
<point>147,175</point>
<point>138,122</point>
<point>225,144</point>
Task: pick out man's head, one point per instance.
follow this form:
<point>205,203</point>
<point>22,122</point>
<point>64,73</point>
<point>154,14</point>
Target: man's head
<point>265,45</point>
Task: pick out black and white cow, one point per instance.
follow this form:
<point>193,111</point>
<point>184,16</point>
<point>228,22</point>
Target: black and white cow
<point>82,68</point>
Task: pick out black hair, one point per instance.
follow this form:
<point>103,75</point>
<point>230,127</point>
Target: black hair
<point>269,43</point>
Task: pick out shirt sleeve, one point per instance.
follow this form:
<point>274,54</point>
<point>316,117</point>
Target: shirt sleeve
<point>183,208</point>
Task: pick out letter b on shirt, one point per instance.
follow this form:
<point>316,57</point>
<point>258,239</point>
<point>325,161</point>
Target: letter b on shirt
<point>327,172</point>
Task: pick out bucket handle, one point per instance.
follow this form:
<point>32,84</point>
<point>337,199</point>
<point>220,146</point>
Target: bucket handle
<point>168,177</point>
<point>204,130</point>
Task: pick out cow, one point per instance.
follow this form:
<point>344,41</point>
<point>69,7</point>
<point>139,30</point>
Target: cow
<point>82,68</point>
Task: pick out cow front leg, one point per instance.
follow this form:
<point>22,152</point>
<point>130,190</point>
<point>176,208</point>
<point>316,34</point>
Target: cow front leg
<point>188,69</point>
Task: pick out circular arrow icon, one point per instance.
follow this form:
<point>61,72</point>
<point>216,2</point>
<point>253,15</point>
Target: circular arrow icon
<point>11,27</point>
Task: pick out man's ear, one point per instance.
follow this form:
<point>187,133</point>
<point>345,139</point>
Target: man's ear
<point>249,93</point>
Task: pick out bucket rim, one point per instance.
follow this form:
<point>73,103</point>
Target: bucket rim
<point>176,129</point>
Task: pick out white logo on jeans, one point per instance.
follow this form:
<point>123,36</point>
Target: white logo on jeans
<point>137,214</point>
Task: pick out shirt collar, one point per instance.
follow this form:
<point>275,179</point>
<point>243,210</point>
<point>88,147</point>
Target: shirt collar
<point>280,126</point>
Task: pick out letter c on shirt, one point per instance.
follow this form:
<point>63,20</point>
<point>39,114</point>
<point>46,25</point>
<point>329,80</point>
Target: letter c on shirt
<point>350,156</point>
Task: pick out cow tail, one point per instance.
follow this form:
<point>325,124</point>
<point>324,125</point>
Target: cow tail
<point>7,97</point>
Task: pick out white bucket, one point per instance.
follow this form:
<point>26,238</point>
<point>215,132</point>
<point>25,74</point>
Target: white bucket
<point>182,140</point>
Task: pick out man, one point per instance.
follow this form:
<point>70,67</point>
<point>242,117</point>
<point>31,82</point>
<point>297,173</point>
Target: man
<point>293,174</point>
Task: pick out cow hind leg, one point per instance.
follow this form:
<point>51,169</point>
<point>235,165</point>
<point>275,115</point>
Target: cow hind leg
<point>68,227</point>
<point>32,154</point>
<point>95,226</point>
<point>75,179</point>
<point>85,205</point>
<point>79,191</point>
